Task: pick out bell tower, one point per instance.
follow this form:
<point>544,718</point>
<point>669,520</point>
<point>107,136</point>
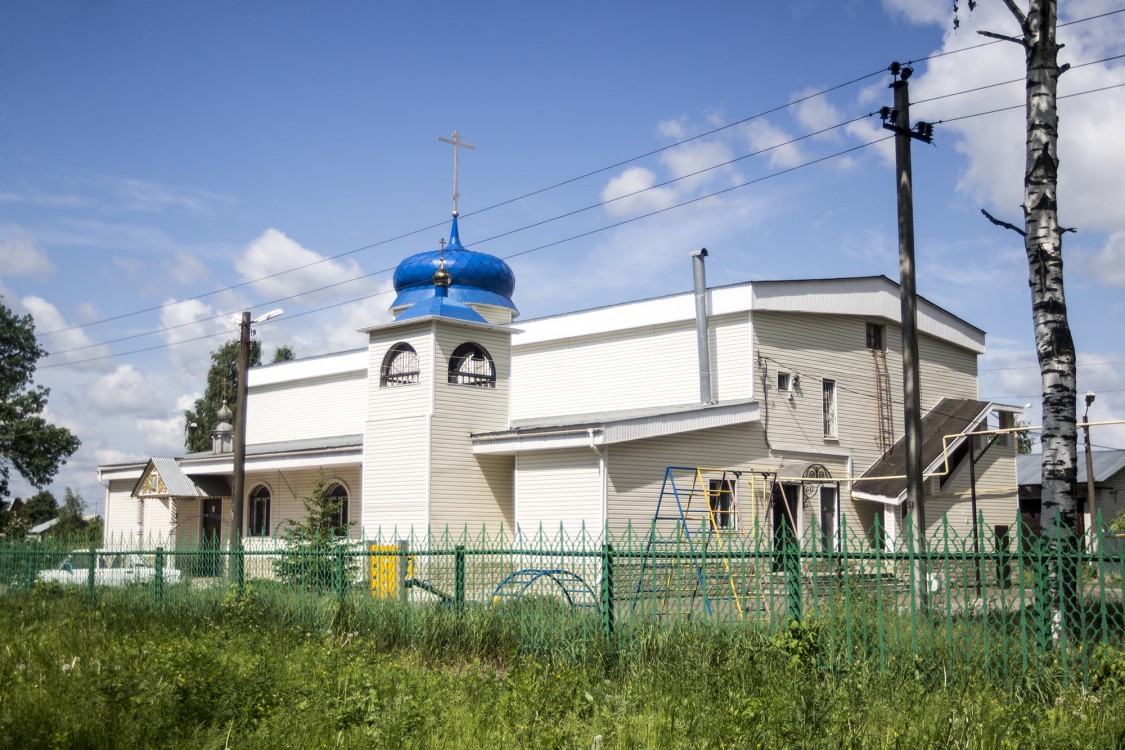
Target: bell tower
<point>438,373</point>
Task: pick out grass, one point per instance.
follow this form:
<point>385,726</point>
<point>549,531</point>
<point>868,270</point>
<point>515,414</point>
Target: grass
<point>249,672</point>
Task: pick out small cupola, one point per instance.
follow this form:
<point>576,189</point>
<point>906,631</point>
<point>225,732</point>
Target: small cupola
<point>222,437</point>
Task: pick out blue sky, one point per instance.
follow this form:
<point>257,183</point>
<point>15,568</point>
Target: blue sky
<point>154,152</point>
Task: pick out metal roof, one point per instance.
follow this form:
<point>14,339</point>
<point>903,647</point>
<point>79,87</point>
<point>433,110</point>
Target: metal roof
<point>1029,467</point>
<point>178,484</point>
<point>950,416</point>
<point>288,446</point>
<point>608,428</point>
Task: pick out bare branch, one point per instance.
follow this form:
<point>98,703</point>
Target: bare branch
<point>1017,12</point>
<point>993,35</point>
<point>1064,230</point>
<point>1004,224</point>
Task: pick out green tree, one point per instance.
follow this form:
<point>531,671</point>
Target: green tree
<point>70,515</point>
<point>309,558</point>
<point>283,354</point>
<point>40,507</point>
<point>29,444</point>
<point>222,385</point>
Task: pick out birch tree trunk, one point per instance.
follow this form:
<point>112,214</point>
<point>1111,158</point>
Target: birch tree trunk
<point>1053,342</point>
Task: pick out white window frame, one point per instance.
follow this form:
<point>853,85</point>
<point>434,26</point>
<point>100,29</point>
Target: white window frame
<point>831,421</point>
<point>784,381</point>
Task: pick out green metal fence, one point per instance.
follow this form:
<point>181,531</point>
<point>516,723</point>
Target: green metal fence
<point>1002,604</point>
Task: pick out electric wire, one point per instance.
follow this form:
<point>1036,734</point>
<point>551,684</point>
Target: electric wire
<point>553,186</point>
<point>529,226</point>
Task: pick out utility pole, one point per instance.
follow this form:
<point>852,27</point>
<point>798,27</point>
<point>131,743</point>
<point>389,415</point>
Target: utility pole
<point>237,491</point>
<point>899,118</point>
<point>1090,490</point>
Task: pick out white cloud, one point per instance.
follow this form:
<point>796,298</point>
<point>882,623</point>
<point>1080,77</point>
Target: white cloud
<point>163,436</point>
<point>147,195</point>
<point>67,346</point>
<point>1092,156</point>
<point>272,255</point>
<point>635,180</point>
<point>1106,266</point>
<point>762,135</point>
<point>126,390</point>
<point>815,113</point>
<point>924,11</point>
<point>193,333</point>
<point>20,255</point>
<point>188,268</point>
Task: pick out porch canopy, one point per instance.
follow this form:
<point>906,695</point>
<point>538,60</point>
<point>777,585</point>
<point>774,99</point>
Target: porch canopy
<point>885,480</point>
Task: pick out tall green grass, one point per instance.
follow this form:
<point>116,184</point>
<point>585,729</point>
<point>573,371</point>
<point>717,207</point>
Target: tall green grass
<point>253,670</point>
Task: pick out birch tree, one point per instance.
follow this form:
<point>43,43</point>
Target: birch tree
<point>1043,240</point>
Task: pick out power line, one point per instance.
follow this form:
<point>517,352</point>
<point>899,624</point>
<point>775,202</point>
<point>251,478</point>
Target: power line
<point>513,255</point>
<point>550,244</point>
<point>553,186</point>
<point>530,194</point>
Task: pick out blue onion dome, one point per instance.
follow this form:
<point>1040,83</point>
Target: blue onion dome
<point>474,278</point>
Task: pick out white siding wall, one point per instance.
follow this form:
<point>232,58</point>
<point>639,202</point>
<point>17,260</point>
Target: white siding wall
<point>287,490</point>
<point>636,468</point>
<point>556,488</point>
<point>321,407</point>
<point>626,369</point>
<point>396,455</point>
<point>819,347</point>
<point>121,511</point>
<point>469,489</point>
<point>996,495</point>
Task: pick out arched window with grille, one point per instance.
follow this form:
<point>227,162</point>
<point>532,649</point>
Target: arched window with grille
<point>338,495</point>
<point>258,511</point>
<point>471,364</point>
<point>400,366</point>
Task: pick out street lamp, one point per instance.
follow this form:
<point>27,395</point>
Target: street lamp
<point>237,491</point>
<point>1089,462</point>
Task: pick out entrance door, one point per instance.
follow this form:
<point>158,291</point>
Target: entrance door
<point>785,506</point>
<point>211,538</point>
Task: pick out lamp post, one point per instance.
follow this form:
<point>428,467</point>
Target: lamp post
<point>238,490</point>
<point>1090,492</point>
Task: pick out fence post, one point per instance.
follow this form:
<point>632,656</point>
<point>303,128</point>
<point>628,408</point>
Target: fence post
<point>341,579</point>
<point>1041,591</point>
<point>403,571</point>
<point>792,557</point>
<point>90,576</point>
<point>459,577</point>
<point>158,579</point>
<point>607,592</point>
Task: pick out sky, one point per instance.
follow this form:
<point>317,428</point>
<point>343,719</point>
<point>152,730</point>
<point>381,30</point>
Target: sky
<point>164,166</point>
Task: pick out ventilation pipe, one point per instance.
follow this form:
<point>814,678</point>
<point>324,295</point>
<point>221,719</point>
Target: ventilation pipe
<point>697,257</point>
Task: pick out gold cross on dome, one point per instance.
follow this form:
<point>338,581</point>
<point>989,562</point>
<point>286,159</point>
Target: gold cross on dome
<point>458,144</point>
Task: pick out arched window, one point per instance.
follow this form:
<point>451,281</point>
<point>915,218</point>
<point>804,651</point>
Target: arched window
<point>338,496</point>
<point>258,517</point>
<point>400,366</point>
<point>471,364</point>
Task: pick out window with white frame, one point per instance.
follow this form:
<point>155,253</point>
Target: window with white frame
<point>830,430</point>
<point>471,364</point>
<point>258,515</point>
<point>338,496</point>
<point>784,381</point>
<point>400,366</point>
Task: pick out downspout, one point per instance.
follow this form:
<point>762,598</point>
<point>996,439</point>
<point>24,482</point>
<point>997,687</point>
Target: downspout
<point>704,346</point>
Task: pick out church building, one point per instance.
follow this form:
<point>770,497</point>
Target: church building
<point>457,415</point>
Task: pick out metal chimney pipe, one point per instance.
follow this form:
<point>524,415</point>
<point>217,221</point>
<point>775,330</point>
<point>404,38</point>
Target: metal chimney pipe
<point>700,276</point>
